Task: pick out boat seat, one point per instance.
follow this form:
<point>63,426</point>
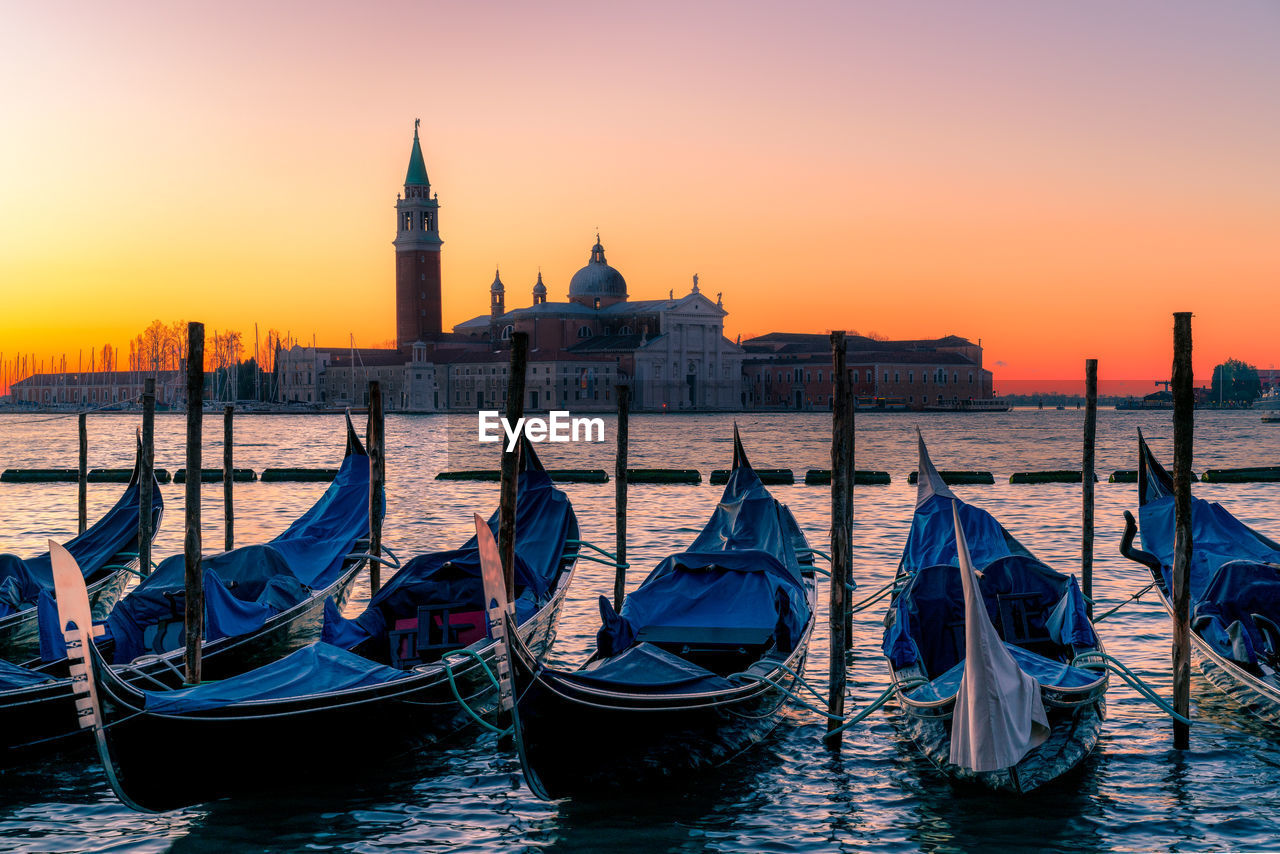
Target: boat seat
<point>720,649</point>
<point>437,629</point>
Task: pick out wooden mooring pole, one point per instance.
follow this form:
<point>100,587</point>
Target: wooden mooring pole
<point>511,461</point>
<point>82,489</point>
<point>1183,424</point>
<point>376,442</point>
<point>194,615</point>
<point>620,497</point>
<point>228,470</point>
<point>841,528</point>
<point>1086,480</point>
<point>146,477</point>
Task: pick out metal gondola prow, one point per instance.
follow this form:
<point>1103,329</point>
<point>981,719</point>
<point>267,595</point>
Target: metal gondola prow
<point>929,482</point>
<point>739,455</point>
<point>354,445</point>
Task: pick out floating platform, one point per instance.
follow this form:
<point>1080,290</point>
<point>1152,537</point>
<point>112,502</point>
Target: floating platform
<point>296,475</point>
<point>820,477</point>
<point>1057,476</point>
<point>664,476</point>
<point>959,477</point>
<point>1257,474</point>
<point>73,475</point>
<point>557,475</point>
<point>784,477</point>
<point>215,475</point>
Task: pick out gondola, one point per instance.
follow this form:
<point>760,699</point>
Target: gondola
<point>261,602</point>
<point>385,678</point>
<point>693,670</point>
<point>1234,590</point>
<point>107,552</point>
<point>1040,675</point>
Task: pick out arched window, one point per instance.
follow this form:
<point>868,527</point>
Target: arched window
<point>506,332</point>
<point>626,330</point>
<point>584,332</point>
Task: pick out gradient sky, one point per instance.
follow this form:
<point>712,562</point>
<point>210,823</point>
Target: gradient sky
<point>1054,179</point>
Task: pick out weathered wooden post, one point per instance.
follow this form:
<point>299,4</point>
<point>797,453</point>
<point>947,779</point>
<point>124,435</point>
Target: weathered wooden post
<point>511,461</point>
<point>1183,424</point>
<point>841,528</point>
<point>850,404</point>
<point>82,480</point>
<point>373,436</point>
<point>620,497</point>
<point>228,506</point>
<point>146,477</point>
<point>1086,479</point>
<point>194,616</point>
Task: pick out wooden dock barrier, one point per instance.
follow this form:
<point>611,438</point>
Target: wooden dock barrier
<point>1183,436</point>
<point>841,532</point>
<point>1130,476</point>
<point>145,486</point>
<point>1089,477</point>
<point>952,478</point>
<point>228,478</point>
<point>72,475</point>
<point>216,476</point>
<point>1057,476</point>
<point>511,462</point>
<point>663,476</point>
<point>375,445</point>
<point>193,622</point>
<point>861,477</point>
<point>82,478</point>
<point>774,477</point>
<point>620,496</point>
<point>1259,474</point>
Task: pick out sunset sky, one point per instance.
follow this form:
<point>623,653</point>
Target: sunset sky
<point>1054,179</point>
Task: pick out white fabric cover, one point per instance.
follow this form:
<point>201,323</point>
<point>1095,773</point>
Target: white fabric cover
<point>999,716</point>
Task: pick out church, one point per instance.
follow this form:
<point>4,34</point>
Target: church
<point>671,352</point>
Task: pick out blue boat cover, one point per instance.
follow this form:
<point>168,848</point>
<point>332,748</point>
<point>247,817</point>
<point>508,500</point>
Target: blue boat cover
<point>544,522</point>
<point>22,580</point>
<point>649,669</point>
<point>1024,598</point>
<point>14,677</point>
<point>932,539</point>
<point>244,587</point>
<point>1049,673</point>
<point>315,669</point>
<point>740,572</point>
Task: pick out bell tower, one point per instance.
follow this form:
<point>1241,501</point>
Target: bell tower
<point>418,303</point>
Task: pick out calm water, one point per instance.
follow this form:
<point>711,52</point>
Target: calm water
<point>789,794</point>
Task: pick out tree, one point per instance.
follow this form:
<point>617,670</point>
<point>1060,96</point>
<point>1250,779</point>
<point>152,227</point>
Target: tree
<point>1235,382</point>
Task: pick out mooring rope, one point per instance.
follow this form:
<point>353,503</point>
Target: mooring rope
<point>453,686</point>
<point>1133,680</point>
<point>1132,598</point>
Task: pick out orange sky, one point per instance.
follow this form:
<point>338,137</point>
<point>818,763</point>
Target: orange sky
<point>1054,181</point>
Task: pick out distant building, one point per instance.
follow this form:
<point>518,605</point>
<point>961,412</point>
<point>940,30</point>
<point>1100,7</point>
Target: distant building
<point>784,370</point>
<point>99,389</point>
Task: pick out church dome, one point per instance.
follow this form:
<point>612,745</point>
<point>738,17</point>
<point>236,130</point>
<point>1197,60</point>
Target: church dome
<point>539,289</point>
<point>597,279</point>
<point>497,287</point>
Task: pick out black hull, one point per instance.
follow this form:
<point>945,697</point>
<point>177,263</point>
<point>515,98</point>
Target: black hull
<point>575,740</point>
<point>20,632</point>
<point>255,747</point>
<point>42,720</point>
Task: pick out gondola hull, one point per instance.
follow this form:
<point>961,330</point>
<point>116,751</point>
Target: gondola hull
<point>42,719</point>
<point>639,740</point>
<point>20,632</point>
<point>263,745</point>
<point>1073,736</point>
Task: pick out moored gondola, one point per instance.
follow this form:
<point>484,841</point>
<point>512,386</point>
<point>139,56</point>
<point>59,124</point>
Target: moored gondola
<point>694,669</point>
<point>1029,706</point>
<point>107,553</point>
<point>404,674</point>
<point>261,602</point>
<point>1234,589</point>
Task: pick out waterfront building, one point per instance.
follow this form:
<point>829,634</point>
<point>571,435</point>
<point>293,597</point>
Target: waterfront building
<point>99,389</point>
